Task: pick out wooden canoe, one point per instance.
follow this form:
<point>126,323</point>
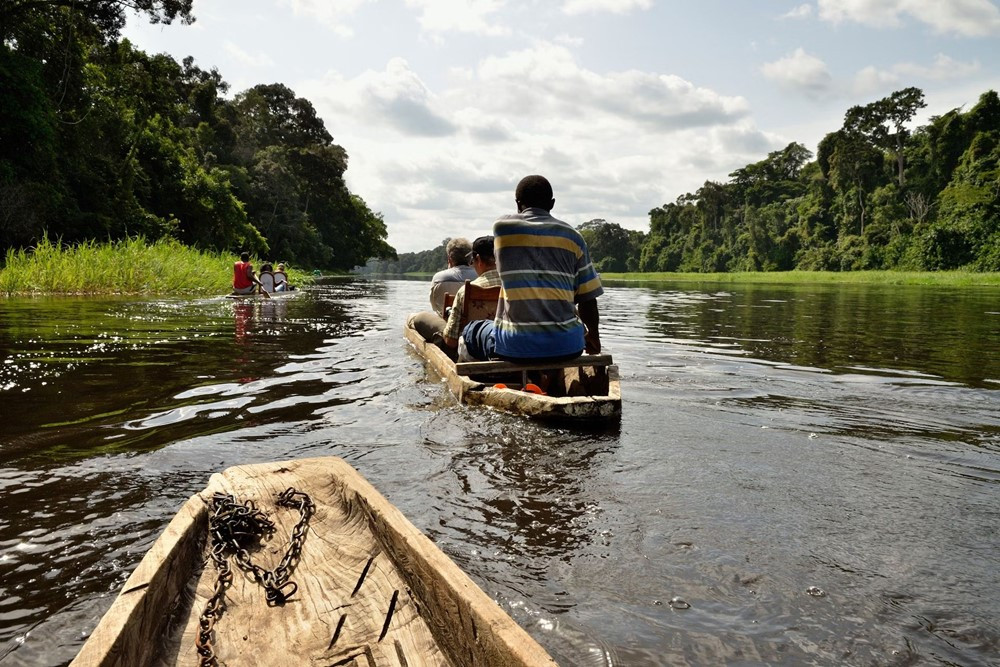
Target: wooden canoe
<point>373,591</point>
<point>590,383</point>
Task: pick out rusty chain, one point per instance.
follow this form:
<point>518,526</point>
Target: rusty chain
<point>233,528</point>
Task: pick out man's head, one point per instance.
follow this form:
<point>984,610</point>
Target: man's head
<point>482,254</point>
<point>244,257</point>
<point>458,251</point>
<point>534,192</point>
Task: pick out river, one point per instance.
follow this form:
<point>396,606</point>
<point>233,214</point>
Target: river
<point>814,469</point>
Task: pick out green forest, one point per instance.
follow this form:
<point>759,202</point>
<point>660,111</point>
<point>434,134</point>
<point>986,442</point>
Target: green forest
<point>101,141</point>
<point>876,196</point>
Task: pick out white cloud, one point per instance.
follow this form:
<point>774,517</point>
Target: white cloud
<point>974,18</point>
<point>871,79</point>
<point>259,60</point>
<point>557,88</point>
<point>614,144</point>
<point>944,68</point>
<point>394,99</point>
<point>573,7</point>
<point>471,16</point>
<point>569,40</point>
<point>801,72</point>
<point>800,12</point>
<point>330,13</point>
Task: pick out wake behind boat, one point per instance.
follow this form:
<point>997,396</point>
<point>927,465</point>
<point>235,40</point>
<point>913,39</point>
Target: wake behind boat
<point>358,584</point>
<point>258,296</point>
<point>589,387</point>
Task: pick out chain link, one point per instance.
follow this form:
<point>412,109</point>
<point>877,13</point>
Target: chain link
<point>233,528</point>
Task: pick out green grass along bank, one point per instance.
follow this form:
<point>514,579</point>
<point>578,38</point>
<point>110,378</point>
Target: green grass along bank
<point>945,278</point>
<point>129,266</point>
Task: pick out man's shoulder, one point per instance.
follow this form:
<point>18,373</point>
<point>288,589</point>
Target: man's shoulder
<point>531,218</point>
<point>489,279</point>
<point>449,275</point>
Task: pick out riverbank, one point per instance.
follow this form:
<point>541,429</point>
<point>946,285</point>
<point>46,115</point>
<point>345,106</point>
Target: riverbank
<point>130,266</point>
<point>952,278</point>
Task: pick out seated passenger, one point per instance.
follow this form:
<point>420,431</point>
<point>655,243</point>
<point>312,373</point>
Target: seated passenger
<point>430,324</point>
<point>548,304</point>
<point>244,279</point>
<point>281,283</point>
<point>486,268</point>
<point>447,281</point>
<point>266,278</point>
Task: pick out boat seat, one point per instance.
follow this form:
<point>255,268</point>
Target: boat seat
<point>490,367</point>
<point>478,303</point>
<point>266,279</point>
<point>280,277</point>
<point>449,300</point>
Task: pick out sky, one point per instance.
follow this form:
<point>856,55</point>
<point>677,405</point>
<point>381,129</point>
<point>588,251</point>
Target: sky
<point>624,105</point>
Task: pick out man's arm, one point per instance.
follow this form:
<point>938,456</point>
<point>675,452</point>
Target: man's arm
<point>454,318</point>
<point>592,320</point>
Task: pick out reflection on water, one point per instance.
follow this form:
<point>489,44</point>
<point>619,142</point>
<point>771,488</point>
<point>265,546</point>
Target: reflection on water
<point>774,440</point>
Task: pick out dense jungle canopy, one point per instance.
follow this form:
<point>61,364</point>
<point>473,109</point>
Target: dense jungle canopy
<point>876,196</point>
<point>99,140</point>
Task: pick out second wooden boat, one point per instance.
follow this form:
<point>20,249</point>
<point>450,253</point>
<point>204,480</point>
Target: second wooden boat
<point>588,387</point>
<point>357,586</point>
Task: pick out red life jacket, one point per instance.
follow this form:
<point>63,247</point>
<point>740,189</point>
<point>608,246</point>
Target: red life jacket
<point>241,275</point>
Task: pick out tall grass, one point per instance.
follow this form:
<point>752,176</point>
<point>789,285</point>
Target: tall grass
<point>953,278</point>
<point>130,266</point>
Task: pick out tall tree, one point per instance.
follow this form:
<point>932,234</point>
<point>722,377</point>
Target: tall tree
<point>883,123</point>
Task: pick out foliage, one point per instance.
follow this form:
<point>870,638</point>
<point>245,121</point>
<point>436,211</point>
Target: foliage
<point>423,262</point>
<point>100,141</point>
<point>877,196</point>
<point>949,278</point>
<point>128,266</point>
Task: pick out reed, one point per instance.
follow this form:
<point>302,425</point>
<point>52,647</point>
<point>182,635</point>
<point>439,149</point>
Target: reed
<point>129,266</point>
<point>945,278</point>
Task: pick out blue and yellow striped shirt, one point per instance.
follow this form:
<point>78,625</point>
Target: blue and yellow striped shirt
<point>545,270</point>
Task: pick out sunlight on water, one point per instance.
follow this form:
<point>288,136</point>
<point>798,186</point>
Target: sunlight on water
<point>801,474</point>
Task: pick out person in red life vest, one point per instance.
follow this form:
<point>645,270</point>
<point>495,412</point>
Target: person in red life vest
<point>244,279</point>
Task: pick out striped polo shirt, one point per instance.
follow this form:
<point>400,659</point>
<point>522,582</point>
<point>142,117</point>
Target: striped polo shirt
<point>544,270</point>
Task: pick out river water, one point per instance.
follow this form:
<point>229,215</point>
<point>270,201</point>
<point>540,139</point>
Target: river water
<point>815,470</point>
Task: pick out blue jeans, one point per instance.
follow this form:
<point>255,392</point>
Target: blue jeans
<point>481,342</point>
<point>480,339</point>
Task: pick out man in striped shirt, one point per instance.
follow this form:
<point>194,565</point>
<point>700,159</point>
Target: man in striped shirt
<point>548,303</point>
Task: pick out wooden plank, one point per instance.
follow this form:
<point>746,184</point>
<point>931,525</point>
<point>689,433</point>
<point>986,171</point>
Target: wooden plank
<point>489,367</point>
<point>129,634</point>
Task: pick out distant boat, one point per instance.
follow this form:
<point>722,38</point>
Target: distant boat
<point>362,586</point>
<point>590,386</point>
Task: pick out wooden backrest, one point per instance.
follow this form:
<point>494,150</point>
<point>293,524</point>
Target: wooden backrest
<point>479,303</point>
<point>449,299</point>
<point>266,279</point>
<point>280,277</point>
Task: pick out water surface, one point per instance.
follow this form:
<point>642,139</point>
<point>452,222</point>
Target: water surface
<point>813,469</point>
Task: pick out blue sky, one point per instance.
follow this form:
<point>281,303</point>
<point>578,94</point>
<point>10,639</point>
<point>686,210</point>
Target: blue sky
<point>442,105</point>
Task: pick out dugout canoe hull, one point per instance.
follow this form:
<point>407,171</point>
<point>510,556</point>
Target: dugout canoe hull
<point>361,557</point>
<point>603,406</point>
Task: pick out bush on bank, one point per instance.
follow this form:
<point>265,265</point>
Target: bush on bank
<point>129,266</point>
